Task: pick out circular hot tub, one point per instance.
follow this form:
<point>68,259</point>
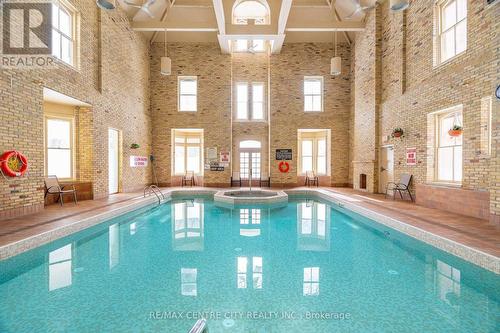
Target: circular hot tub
<point>257,196</point>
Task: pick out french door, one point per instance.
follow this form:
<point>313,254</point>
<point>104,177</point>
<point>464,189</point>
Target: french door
<point>250,165</point>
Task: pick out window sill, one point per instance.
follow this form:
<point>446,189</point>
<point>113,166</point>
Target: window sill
<point>65,64</point>
<point>313,111</point>
<point>444,184</point>
<point>186,111</point>
<point>450,60</point>
<point>250,121</point>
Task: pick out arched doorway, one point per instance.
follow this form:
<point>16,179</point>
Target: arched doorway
<point>250,161</point>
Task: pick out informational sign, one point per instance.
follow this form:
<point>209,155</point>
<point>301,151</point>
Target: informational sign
<point>138,161</point>
<point>283,154</point>
<point>411,156</point>
<point>224,157</point>
<point>216,166</point>
<point>212,153</point>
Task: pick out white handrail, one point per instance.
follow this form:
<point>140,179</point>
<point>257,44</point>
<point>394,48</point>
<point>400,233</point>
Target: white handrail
<point>199,327</point>
<point>154,189</point>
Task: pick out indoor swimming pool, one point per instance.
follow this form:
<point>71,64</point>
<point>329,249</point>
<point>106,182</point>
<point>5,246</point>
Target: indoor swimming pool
<point>303,267</point>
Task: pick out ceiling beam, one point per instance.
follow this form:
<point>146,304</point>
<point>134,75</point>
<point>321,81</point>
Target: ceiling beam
<point>331,4</point>
<point>162,26</point>
<point>286,5</point>
<point>170,4</point>
<point>221,25</point>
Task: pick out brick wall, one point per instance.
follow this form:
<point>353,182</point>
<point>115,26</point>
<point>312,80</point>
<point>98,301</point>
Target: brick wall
<point>113,77</point>
<point>411,88</point>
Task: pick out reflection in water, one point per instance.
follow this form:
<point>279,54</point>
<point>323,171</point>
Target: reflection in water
<point>60,267</point>
<point>250,217</point>
<point>313,226</point>
<point>242,270</point>
<point>114,245</point>
<point>188,231</point>
<point>447,281</point>
<point>311,281</point>
<point>133,228</point>
<point>188,281</point>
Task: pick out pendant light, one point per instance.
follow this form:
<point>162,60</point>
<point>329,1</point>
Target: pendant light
<point>166,63</point>
<point>335,62</point>
<point>399,5</point>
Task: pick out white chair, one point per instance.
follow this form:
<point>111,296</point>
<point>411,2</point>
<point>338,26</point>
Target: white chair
<point>311,178</point>
<point>188,178</point>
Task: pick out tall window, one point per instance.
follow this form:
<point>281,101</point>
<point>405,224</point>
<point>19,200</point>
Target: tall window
<point>250,104</point>
<point>255,10</point>
<point>313,93</point>
<point>188,91</point>
<point>451,18</point>
<point>449,148</point>
<point>311,281</point>
<point>188,151</point>
<point>249,45</point>
<point>63,44</point>
<point>59,147</point>
<point>313,151</point>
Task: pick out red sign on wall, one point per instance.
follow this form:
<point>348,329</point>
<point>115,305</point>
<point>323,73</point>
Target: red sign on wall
<point>411,156</point>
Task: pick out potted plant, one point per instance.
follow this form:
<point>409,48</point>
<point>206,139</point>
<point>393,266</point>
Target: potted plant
<point>457,130</point>
<point>397,132</point>
<point>134,146</point>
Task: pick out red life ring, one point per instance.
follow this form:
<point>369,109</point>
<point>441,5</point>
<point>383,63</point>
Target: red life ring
<point>284,167</point>
<point>7,169</point>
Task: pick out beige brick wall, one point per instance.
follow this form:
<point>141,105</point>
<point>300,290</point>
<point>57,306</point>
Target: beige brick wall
<point>411,88</point>
<point>117,88</point>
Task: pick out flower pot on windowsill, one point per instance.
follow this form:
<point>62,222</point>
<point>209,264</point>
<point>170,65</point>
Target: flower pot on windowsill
<point>455,132</point>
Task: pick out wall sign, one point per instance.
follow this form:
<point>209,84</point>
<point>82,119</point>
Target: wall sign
<point>411,156</point>
<point>283,154</point>
<point>138,161</point>
<point>224,157</point>
<point>212,153</point>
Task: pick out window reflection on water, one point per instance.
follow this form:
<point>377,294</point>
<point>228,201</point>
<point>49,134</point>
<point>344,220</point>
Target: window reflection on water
<point>313,226</point>
<point>188,225</point>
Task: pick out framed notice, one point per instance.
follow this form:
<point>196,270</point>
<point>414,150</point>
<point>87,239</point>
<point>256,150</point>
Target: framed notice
<point>138,161</point>
<point>212,153</point>
<point>283,154</point>
<point>224,157</point>
<point>411,156</point>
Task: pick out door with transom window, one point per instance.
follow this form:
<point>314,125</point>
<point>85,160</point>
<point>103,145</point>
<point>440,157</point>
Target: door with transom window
<point>250,161</point>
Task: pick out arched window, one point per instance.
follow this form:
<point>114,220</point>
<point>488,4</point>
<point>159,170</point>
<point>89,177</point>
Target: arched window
<point>250,144</point>
<point>257,10</point>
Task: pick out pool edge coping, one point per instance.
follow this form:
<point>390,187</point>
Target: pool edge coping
<point>467,253</point>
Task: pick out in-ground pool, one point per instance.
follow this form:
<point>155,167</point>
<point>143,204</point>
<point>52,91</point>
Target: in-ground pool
<point>305,267</point>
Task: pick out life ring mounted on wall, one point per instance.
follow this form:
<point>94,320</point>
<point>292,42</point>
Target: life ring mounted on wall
<point>284,167</point>
<point>13,163</point>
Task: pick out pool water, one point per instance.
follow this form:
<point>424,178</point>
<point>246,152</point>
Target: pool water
<point>305,267</point>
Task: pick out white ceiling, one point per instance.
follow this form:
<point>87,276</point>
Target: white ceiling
<point>292,21</point>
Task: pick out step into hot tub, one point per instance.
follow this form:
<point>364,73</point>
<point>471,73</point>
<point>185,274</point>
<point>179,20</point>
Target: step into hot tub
<point>257,196</point>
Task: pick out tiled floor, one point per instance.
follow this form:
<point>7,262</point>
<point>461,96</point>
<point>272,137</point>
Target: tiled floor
<point>476,233</point>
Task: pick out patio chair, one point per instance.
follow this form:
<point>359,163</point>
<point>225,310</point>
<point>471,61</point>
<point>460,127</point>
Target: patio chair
<point>402,186</point>
<point>265,179</point>
<point>188,178</point>
<point>236,179</point>
<point>52,187</point>
<point>311,179</point>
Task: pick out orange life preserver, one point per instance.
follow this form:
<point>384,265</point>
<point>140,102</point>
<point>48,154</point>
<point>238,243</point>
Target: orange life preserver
<point>7,169</point>
<point>284,167</point>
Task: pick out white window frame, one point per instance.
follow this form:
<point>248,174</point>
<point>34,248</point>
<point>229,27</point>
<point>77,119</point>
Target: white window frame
<point>71,121</point>
<point>249,45</point>
<point>72,13</point>
<point>179,92</point>
<point>310,282</point>
<point>315,137</point>
<point>313,79</point>
<point>250,102</point>
<point>179,133</point>
<point>438,116</point>
<point>439,12</point>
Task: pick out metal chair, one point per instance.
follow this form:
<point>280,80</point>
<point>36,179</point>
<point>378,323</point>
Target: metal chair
<point>311,179</point>
<point>236,178</point>
<point>188,178</point>
<point>52,187</point>
<point>265,179</point>
<point>403,186</point>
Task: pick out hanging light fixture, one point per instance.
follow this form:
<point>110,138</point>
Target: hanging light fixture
<point>399,5</point>
<point>335,62</point>
<point>166,63</point>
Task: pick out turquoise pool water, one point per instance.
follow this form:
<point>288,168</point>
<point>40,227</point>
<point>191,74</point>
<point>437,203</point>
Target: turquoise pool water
<point>306,267</point>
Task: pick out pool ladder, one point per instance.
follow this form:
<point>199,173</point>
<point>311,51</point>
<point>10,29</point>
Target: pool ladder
<point>156,190</point>
<point>200,326</point>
